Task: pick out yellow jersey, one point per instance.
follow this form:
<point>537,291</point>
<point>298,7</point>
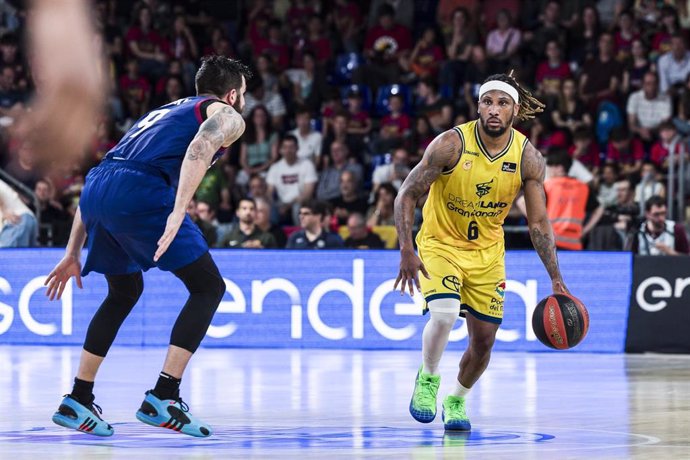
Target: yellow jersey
<point>467,205</point>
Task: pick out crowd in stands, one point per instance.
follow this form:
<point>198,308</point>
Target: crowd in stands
<point>347,94</point>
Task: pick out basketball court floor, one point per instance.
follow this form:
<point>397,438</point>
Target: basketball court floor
<point>330,404</point>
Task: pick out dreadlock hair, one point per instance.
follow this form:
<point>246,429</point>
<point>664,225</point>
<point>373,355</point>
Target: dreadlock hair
<point>529,105</point>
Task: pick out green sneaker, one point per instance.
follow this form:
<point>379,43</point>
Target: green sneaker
<point>454,416</point>
<point>423,403</point>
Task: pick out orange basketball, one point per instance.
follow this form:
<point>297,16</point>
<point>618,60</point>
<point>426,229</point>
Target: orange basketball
<point>560,321</point>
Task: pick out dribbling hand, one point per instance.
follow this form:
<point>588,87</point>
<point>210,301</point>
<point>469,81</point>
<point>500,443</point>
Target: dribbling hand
<point>410,265</point>
<point>57,280</point>
<point>559,287</point>
<point>171,227</point>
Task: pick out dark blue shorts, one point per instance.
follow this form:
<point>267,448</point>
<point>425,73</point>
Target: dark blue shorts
<point>125,206</point>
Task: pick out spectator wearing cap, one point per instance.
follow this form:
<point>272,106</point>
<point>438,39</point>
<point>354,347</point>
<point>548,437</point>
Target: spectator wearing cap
<point>674,66</point>
<point>647,108</point>
<point>360,236</point>
<point>313,235</point>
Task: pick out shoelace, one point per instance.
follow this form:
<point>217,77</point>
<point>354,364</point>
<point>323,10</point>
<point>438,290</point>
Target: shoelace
<point>456,406</point>
<point>427,392</point>
<point>183,405</point>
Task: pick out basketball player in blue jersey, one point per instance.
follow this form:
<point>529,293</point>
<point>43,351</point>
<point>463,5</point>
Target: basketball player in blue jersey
<point>133,210</point>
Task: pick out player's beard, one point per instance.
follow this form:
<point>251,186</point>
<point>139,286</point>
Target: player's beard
<point>238,105</point>
<point>496,132</point>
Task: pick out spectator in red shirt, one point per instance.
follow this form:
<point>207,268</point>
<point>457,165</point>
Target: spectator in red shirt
<point>553,71</point>
<point>628,152</point>
<point>668,140</point>
<point>135,90</point>
<point>426,56</point>
<point>395,126</point>
<point>661,42</point>
<point>359,123</point>
<point>585,150</point>
<point>317,42</point>
<point>147,46</point>
<point>385,44</point>
<point>274,46</point>
<point>348,22</point>
<point>298,13</point>
<point>625,35</point>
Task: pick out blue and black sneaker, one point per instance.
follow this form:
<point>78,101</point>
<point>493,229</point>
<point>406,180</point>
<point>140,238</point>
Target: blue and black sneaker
<point>73,414</point>
<point>172,414</point>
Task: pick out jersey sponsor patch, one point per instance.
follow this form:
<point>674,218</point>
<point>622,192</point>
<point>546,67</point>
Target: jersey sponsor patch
<point>509,167</point>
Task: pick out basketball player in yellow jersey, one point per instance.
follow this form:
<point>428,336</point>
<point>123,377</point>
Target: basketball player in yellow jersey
<point>473,173</point>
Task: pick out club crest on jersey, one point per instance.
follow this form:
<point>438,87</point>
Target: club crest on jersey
<point>467,165</point>
<point>484,188</point>
<point>509,167</point>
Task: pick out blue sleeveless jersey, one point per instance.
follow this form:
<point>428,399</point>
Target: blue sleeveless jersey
<point>161,137</point>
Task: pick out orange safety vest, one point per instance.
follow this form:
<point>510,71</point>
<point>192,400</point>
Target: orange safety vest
<point>566,203</point>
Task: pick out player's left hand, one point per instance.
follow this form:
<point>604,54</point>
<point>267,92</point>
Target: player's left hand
<point>57,280</point>
<point>171,227</point>
<point>559,287</point>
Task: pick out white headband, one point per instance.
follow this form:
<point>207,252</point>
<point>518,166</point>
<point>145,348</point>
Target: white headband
<point>501,86</point>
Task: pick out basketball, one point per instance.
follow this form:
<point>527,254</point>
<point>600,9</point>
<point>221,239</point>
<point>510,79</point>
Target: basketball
<point>560,321</point>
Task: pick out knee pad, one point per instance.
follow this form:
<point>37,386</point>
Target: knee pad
<point>125,289</point>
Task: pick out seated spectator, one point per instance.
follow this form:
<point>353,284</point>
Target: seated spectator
<point>350,199</point>
<point>636,67</point>
<point>649,183</point>
<point>11,97</point>
<point>611,232</point>
<point>309,87</point>
<point>394,172</point>
<point>503,42</point>
<point>459,40</point>
<point>230,195</point>
<point>553,72</point>
<point>669,141</point>
<point>246,234</point>
<point>205,215</point>
<point>548,29</point>
<point>585,35</point>
<point>385,44</point>
<point>658,235</point>
<point>476,72</point>
<point>626,151</point>
<point>395,126</point>
<point>18,226</point>
<point>174,90</point>
<point>381,212</point>
<point>571,113</point>
<point>426,56</point>
<point>355,146</point>
<point>360,236</point>
<point>317,41</point>
<point>274,46</point>
<point>258,95</point>
<point>211,185</point>
<point>359,121</point>
<point>263,222</point>
<point>135,90</point>
<point>332,168</point>
<point>607,194</point>
<point>433,106</point>
<point>147,46</point>
<point>662,39</point>
<point>420,139</point>
<point>586,152</point>
<point>259,148</point>
<point>647,108</point>
<point>309,140</point>
<point>54,226</point>
<point>331,106</point>
<point>674,66</point>
<point>313,235</point>
<point>601,77</point>
<point>682,121</point>
<point>266,70</point>
<point>292,180</point>
<point>625,36</point>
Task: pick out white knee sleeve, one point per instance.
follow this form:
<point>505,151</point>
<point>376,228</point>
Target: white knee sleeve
<point>445,305</point>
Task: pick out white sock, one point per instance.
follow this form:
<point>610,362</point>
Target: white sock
<point>435,339</point>
<point>460,390</point>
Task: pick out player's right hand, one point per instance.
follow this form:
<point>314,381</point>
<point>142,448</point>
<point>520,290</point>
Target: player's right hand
<point>410,266</point>
<point>57,280</point>
<point>171,228</point>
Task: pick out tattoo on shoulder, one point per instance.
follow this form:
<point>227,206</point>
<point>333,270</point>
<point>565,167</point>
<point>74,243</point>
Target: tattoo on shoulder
<point>438,155</point>
<point>533,164</point>
<point>223,127</point>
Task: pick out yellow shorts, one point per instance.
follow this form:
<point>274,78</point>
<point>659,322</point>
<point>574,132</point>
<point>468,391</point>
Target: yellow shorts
<point>475,277</point>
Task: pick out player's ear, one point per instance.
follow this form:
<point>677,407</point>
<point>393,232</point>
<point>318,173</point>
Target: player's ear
<point>516,109</point>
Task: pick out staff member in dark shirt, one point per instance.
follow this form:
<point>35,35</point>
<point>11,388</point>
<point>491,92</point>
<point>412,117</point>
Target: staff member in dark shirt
<point>313,235</point>
<point>360,236</point>
<point>247,234</point>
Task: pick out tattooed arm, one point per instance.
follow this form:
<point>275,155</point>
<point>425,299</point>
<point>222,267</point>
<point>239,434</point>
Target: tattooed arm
<point>223,127</point>
<point>533,168</point>
<point>443,151</point>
